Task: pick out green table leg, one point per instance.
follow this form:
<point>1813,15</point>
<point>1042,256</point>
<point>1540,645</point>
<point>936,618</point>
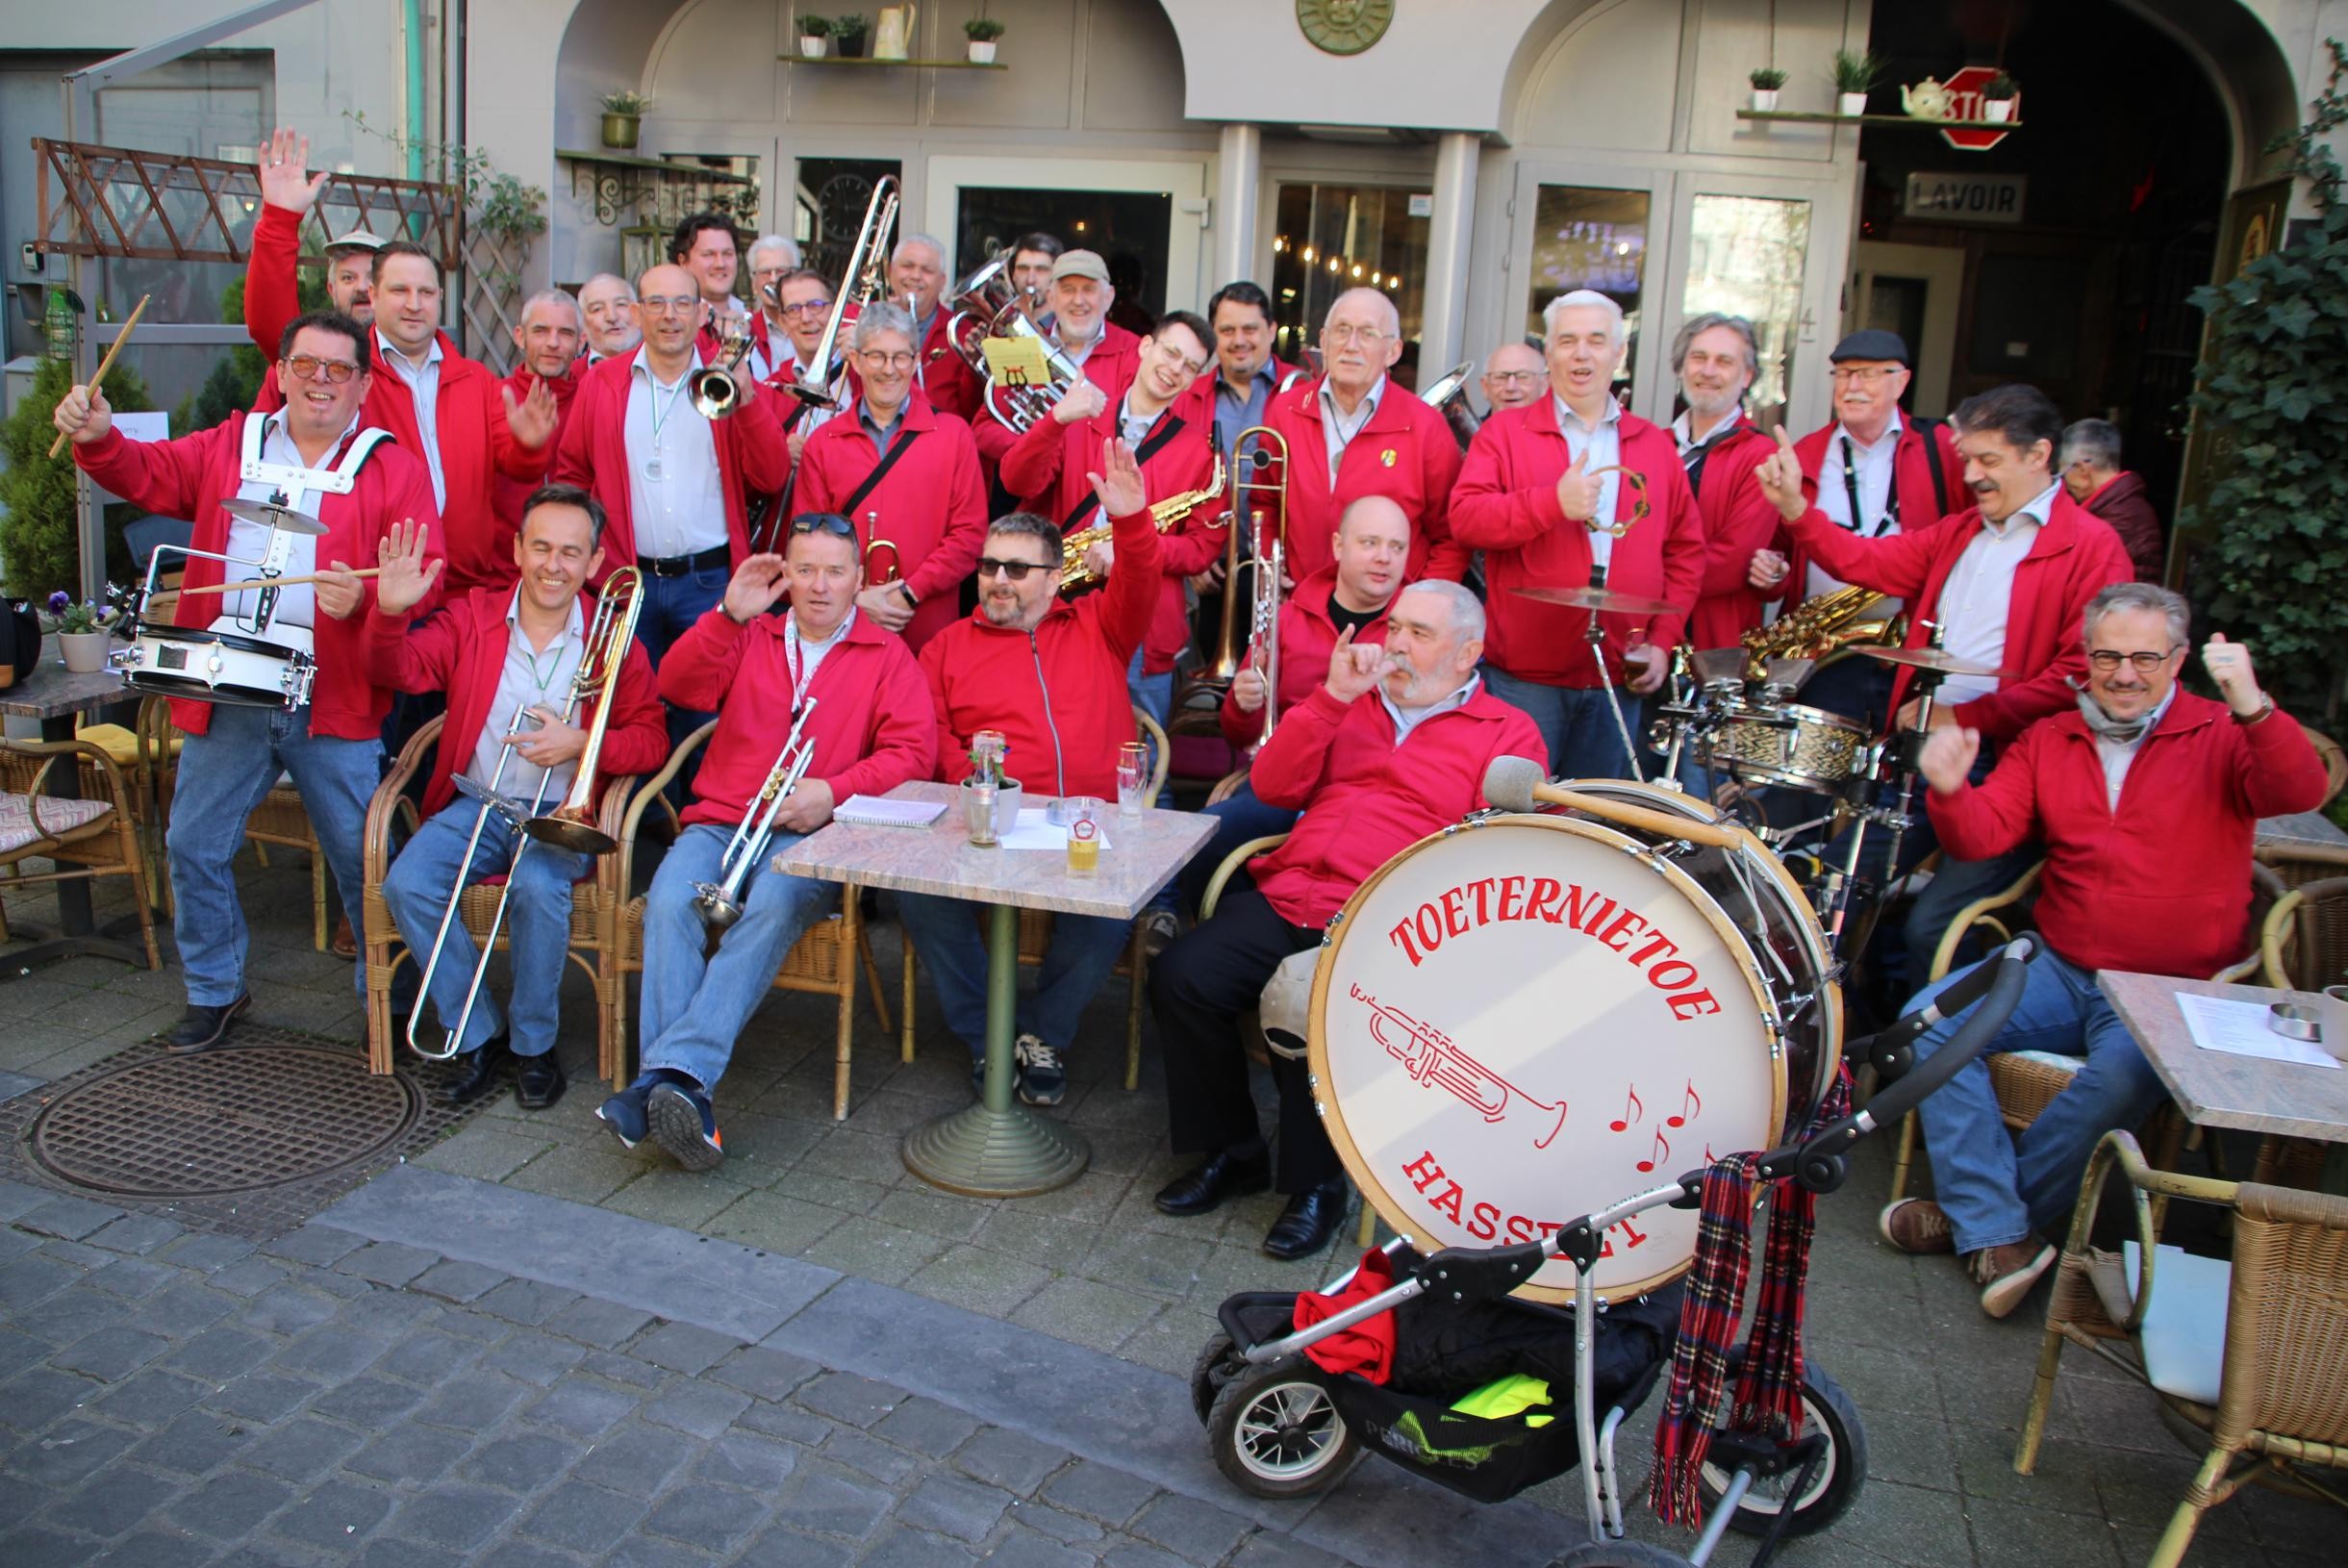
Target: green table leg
<point>998,1149</point>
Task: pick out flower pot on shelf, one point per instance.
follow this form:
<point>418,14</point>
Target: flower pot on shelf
<point>813,48</point>
<point>1851,104</point>
<point>619,130</point>
<point>1764,100</point>
<point>982,53</point>
<point>1997,108</point>
<point>851,45</point>
<point>85,651</point>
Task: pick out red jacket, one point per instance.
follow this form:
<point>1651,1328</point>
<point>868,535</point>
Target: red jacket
<point>2124,503</point>
<point>1912,485</point>
<point>1405,451</point>
<point>1046,469</point>
<point>932,505</point>
<point>1308,636</point>
<point>272,285</point>
<point>1365,798</point>
<point>2074,558</point>
<point>2162,884</point>
<point>190,477</point>
<point>1506,506</point>
<point>1056,692</point>
<point>1738,520</point>
<point>510,492</point>
<point>872,724</point>
<point>462,650</point>
<point>752,458</point>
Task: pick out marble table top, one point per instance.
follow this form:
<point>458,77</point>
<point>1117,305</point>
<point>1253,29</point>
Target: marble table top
<point>2216,1089</point>
<point>1143,855</point>
<point>2301,827</point>
<point>51,691</point>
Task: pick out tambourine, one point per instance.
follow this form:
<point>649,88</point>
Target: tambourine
<point>1639,505</point>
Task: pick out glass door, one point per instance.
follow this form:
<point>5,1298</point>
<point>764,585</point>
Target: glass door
<point>1592,228</point>
<point>1326,239</point>
<point>1145,218</point>
<point>1914,290</point>
<point>1751,247</point>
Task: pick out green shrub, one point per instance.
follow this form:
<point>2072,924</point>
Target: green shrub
<point>37,544</point>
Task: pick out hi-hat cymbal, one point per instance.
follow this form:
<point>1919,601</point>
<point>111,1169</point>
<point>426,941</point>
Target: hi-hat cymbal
<point>265,515</point>
<point>1941,659</point>
<point>1599,598</point>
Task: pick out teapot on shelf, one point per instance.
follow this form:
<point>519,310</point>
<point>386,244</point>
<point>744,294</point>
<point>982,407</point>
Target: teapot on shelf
<point>893,40</point>
<point>1927,100</point>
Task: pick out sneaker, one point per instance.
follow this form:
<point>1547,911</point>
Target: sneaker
<point>1042,1080</point>
<point>685,1126</point>
<point>624,1112</point>
<point>200,1028</point>
<point>1916,1224</point>
<point>1159,928</point>
<point>2006,1274</point>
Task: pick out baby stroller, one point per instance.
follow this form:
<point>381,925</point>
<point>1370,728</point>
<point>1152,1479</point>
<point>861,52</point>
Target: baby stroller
<point>1279,1426</point>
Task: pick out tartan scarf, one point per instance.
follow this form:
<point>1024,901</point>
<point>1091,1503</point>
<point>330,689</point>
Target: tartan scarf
<point>1768,1394</point>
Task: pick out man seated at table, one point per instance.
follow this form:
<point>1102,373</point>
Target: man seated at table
<point>2147,798</point>
<point>872,730</point>
<point>1370,778</point>
<point>1051,677</point>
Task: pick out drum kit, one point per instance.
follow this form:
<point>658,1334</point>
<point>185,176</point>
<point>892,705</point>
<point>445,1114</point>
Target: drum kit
<point>240,660</point>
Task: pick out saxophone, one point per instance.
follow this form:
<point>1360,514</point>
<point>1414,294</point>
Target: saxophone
<point>1818,626</point>
<point>1075,578</point>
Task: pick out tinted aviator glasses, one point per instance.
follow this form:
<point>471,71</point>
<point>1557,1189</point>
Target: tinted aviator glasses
<point>1016,571</point>
<point>823,522</point>
<point>2107,659</point>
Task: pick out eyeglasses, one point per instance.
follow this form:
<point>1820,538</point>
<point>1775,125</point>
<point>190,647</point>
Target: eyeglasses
<point>1016,571</point>
<point>1347,333</point>
<point>310,368</point>
<point>808,307</point>
<point>1509,378</point>
<point>879,360</point>
<point>823,522</point>
<point>1862,376</point>
<point>2107,659</point>
<point>660,305</point>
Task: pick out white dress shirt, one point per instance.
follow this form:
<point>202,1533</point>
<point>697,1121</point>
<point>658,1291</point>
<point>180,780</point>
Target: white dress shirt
<point>297,553</point>
<point>1979,594</point>
<point>675,494</point>
<point>1875,469</point>
<point>1338,430</point>
<point>1605,446</point>
<point>424,388</point>
<point>530,677</point>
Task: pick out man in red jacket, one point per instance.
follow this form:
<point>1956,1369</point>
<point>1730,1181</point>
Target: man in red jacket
<point>1050,675</point>
<point>1370,777</point>
<point>1352,432</point>
<point>1045,468</point>
<point>272,291</point>
<point>324,459</point>
<point>853,694</point>
<point>907,476</point>
<point>506,658</point>
<point>917,285</point>
<point>708,246</point>
<point>2091,471</point>
<point>1246,374</point>
<point>2147,799</point>
<point>1715,359</point>
<point>1534,498</point>
<point>549,337</point>
<point>607,302</point>
<point>2003,583</point>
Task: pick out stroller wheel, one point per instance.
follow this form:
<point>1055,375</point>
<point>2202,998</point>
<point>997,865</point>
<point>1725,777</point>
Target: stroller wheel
<point>1208,1374</point>
<point>1620,1554</point>
<point>1275,1434</point>
<point>1833,1485</point>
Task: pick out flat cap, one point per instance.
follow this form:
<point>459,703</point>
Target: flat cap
<point>1871,343</point>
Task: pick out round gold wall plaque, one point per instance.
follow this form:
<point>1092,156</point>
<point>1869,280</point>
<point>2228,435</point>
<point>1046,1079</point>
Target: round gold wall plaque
<point>1343,27</point>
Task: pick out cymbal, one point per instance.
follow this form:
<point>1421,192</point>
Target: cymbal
<point>1941,659</point>
<point>263,514</point>
<point>1599,598</point>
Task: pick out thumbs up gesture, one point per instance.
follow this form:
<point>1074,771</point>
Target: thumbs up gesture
<point>2229,666</point>
<point>1781,476</point>
<point>1577,491</point>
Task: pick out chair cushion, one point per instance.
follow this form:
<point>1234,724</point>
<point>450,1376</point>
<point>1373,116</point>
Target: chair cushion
<point>2068,1065</point>
<point>57,816</point>
<point>119,743</point>
<point>2184,1337</point>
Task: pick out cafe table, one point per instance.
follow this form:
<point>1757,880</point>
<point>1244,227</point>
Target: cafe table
<point>998,1147</point>
<point>2276,1099</point>
<point>55,696</point>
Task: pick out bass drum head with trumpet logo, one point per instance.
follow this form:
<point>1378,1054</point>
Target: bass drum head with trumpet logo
<point>1522,1018</point>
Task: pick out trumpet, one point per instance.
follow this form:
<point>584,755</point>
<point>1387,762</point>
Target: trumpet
<point>716,390</point>
<point>1265,561</point>
<point>571,825</point>
<point>719,903</point>
<point>864,278</point>
<point>1076,578</point>
<point>889,571</point>
<point>607,643</point>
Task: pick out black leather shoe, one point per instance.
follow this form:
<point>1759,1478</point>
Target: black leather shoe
<point>1304,1226</point>
<point>1226,1174</point>
<point>478,1071</point>
<point>539,1080</point>
<point>200,1028</point>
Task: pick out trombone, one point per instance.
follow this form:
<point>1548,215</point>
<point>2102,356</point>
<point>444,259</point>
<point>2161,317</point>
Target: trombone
<point>864,279</point>
<point>571,825</point>
<point>600,660</point>
<point>719,903</point>
<point>1265,561</point>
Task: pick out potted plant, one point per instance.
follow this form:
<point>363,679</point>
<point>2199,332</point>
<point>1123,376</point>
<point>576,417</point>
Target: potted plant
<point>1766,81</point>
<point>623,117</point>
<point>1854,71</point>
<point>982,32</point>
<point>814,35</point>
<point>83,631</point>
<point>1998,97</point>
<point>849,31</point>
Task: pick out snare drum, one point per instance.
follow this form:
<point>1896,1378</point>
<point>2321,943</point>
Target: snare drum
<point>212,663</point>
<point>1524,1018</point>
<point>1806,748</point>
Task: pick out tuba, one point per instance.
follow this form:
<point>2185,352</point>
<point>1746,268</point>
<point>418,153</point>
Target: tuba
<point>1075,578</point>
<point>864,279</point>
<point>1448,396</point>
<point>571,825</point>
<point>1821,626</point>
<point>985,305</point>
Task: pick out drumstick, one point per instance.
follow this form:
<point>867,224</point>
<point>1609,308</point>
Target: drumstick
<point>277,582</point>
<point>104,365</point>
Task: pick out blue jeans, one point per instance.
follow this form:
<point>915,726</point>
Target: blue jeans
<point>536,921</point>
<point>1576,725</point>
<point>1153,694</point>
<point>695,1008</point>
<point>1997,1191</point>
<point>223,775</point>
<point>1084,948</point>
<point>670,607</point>
<point>1238,818</point>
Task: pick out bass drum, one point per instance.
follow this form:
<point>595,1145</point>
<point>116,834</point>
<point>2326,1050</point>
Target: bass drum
<point>1523,1018</point>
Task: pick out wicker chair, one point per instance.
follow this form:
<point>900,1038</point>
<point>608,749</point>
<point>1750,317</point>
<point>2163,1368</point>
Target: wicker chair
<point>592,899</point>
<point>84,839</point>
<point>2304,943</point>
<point>2335,765</point>
<point>2254,1354</point>
<point>822,963</point>
<point>1035,935</point>
<point>147,754</point>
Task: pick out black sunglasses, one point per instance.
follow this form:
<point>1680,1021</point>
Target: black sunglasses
<point>1016,571</point>
<point>823,522</point>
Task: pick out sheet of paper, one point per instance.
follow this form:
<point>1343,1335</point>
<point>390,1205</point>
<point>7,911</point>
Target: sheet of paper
<point>151,426</point>
<point>1036,831</point>
<point>2240,1028</point>
<point>877,811</point>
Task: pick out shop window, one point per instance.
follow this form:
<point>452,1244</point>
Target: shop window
<point>1330,237</point>
<point>1130,229</point>
<point>1745,257</point>
<point>1587,237</point>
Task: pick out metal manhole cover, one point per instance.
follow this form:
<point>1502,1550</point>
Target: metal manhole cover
<point>222,1121</point>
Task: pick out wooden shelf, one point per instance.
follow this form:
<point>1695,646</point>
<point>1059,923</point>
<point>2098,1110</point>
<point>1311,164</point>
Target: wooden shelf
<point>622,159</point>
<point>1792,118</point>
<point>866,59</point>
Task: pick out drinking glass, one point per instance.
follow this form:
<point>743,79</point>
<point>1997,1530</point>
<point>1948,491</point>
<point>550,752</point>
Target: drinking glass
<point>1132,778</point>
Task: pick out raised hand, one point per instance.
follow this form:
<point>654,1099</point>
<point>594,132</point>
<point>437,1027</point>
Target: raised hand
<point>1081,401</point>
<point>1948,757</point>
<point>1780,477</point>
<point>1355,669</point>
<point>84,414</point>
<point>407,576</point>
<point>2228,665</point>
<point>532,419</point>
<point>756,584</point>
<point>1119,489</point>
<point>1577,491</point>
<point>286,179</point>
